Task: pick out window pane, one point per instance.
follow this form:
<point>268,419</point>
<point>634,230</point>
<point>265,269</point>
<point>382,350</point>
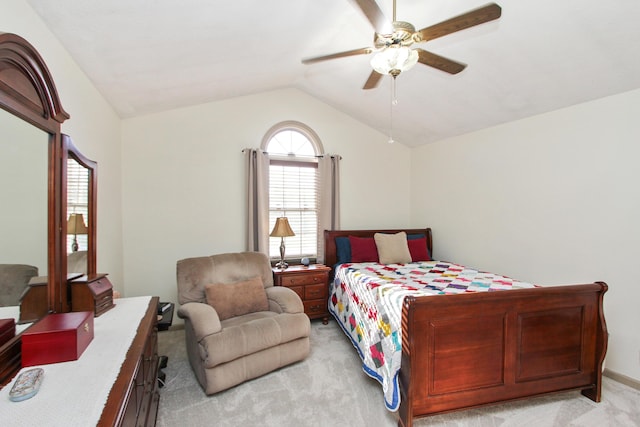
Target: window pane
<point>290,142</point>
<point>293,193</point>
<point>77,200</point>
<point>304,243</point>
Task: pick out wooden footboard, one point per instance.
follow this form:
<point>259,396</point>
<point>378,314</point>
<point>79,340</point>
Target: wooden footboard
<point>463,351</point>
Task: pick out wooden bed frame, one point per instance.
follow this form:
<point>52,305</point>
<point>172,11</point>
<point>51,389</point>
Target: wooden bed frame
<point>469,350</point>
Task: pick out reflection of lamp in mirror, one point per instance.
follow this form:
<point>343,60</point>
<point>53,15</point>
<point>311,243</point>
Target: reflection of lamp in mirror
<point>282,229</point>
<point>75,226</point>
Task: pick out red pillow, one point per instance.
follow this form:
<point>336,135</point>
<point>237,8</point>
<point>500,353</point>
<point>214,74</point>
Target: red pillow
<point>418,249</point>
<point>363,249</point>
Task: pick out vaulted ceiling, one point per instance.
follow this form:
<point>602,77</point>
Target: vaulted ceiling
<point>147,56</point>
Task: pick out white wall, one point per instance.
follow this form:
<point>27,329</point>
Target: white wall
<point>551,199</point>
<point>184,186</point>
<point>93,126</point>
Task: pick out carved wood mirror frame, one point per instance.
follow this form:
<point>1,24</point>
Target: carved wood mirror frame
<point>27,91</point>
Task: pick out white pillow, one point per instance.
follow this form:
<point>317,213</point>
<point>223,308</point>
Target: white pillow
<point>392,248</point>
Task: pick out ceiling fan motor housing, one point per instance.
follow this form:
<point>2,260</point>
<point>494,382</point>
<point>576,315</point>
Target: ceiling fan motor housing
<point>403,35</point>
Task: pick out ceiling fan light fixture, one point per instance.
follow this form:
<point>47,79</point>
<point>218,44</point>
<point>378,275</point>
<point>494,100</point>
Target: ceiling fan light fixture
<point>394,59</point>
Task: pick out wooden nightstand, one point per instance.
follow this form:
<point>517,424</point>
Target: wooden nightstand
<point>311,284</point>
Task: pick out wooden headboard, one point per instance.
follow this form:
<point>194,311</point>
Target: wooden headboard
<point>330,253</point>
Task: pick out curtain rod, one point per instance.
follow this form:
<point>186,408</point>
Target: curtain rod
<point>318,156</point>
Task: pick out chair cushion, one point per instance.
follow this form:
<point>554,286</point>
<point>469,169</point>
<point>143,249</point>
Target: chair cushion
<point>236,299</point>
<point>252,333</point>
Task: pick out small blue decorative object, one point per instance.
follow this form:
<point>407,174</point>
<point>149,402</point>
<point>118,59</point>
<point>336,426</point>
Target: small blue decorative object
<point>305,262</point>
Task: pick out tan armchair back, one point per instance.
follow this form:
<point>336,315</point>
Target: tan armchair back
<point>14,278</point>
<point>194,274</point>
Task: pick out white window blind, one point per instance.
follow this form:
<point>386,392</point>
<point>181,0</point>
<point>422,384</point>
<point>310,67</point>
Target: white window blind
<point>77,199</point>
<point>293,192</point>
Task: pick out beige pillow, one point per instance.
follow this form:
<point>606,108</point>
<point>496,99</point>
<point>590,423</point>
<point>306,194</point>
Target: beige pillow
<point>392,248</point>
<point>236,299</point>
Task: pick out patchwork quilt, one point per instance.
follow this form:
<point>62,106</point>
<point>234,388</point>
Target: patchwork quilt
<point>366,300</point>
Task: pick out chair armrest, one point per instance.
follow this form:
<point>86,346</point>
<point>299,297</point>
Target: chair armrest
<point>203,317</point>
<point>284,300</point>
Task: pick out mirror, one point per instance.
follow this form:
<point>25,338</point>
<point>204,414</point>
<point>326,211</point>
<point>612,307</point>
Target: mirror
<point>24,156</point>
<point>77,215</point>
<point>80,216</point>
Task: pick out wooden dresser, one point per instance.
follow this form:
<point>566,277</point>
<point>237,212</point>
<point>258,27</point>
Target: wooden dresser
<point>121,364</point>
<point>311,284</point>
<point>134,397</point>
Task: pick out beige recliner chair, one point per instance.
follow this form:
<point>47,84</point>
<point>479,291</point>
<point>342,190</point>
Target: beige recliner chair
<point>14,279</point>
<point>238,325</point>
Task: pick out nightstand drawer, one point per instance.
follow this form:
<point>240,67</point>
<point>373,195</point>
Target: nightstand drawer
<point>304,279</point>
<point>316,307</point>
<point>298,290</point>
<point>315,291</point>
<point>311,284</point>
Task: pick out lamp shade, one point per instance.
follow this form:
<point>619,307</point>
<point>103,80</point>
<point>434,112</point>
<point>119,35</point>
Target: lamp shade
<point>394,59</point>
<point>76,225</point>
<point>282,228</point>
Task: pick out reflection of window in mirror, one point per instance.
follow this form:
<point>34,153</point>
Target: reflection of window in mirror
<point>77,206</point>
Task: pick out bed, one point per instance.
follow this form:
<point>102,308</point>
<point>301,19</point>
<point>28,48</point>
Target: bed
<point>463,349</point>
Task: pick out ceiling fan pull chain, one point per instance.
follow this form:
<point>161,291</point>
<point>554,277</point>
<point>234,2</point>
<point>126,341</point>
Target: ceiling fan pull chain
<point>393,103</point>
<point>394,92</point>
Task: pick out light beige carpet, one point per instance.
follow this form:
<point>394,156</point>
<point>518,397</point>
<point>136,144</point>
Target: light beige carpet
<point>329,389</point>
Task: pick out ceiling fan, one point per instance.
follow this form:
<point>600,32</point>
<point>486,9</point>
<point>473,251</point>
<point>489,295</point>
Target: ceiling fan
<point>394,40</point>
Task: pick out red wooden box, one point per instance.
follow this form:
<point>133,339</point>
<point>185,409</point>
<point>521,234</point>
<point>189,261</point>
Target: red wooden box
<point>58,337</point>
<point>7,330</point>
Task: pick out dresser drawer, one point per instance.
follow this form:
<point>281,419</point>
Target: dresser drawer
<point>315,291</point>
<point>304,279</point>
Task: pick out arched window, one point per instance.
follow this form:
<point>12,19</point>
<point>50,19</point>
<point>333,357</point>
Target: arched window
<point>293,150</point>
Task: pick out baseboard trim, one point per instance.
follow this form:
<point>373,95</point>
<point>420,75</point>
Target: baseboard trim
<point>633,383</point>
